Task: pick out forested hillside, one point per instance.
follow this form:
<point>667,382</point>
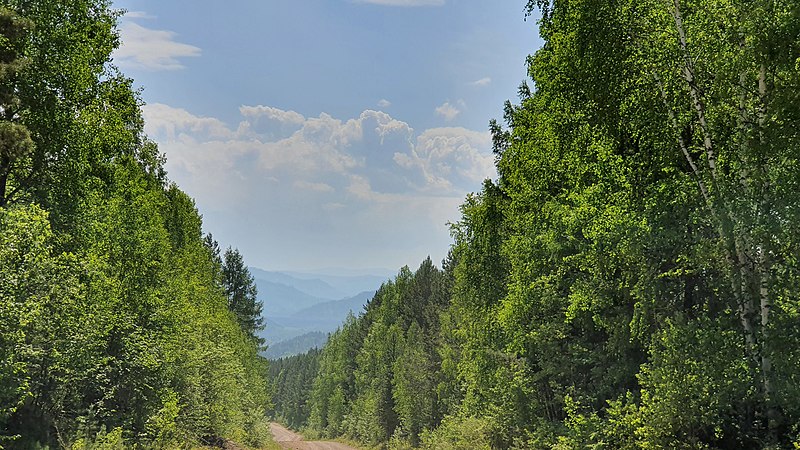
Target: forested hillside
<point>121,324</point>
<point>630,280</point>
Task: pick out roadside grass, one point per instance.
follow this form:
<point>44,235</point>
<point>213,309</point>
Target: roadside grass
<point>271,445</point>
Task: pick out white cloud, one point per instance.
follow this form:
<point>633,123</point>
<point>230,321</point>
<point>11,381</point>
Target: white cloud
<point>320,145</point>
<point>148,49</point>
<point>485,81</point>
<point>404,2</point>
<point>383,103</point>
<point>138,15</point>
<point>335,187</point>
<point>169,122</point>
<point>290,117</point>
<point>361,188</point>
<point>447,111</point>
<point>267,123</point>
<point>450,158</point>
<point>322,152</point>
<point>385,125</point>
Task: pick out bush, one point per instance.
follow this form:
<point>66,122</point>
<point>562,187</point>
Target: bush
<point>103,440</point>
<point>457,433</point>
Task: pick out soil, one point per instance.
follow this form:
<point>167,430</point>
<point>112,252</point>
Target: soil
<point>289,439</point>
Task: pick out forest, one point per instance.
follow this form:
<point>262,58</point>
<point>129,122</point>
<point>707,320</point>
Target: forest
<point>629,281</point>
<point>122,324</point>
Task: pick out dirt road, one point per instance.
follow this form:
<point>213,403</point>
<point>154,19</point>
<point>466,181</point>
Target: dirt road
<point>289,439</point>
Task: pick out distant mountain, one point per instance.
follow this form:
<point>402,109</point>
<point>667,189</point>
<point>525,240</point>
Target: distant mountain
<point>311,286</point>
<point>345,272</point>
<point>283,300</point>
<point>297,345</point>
<point>332,311</point>
<point>323,317</point>
<point>349,284</point>
<point>275,332</point>
<point>296,303</point>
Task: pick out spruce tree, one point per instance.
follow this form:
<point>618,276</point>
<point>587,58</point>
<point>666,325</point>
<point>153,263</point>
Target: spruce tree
<point>15,139</point>
<point>240,288</point>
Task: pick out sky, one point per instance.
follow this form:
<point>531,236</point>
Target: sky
<point>319,134</point>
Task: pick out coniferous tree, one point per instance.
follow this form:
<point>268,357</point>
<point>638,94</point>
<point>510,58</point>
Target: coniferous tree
<point>240,288</point>
<point>15,139</point>
<point>291,381</point>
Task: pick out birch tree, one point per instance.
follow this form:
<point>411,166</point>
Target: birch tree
<point>716,84</point>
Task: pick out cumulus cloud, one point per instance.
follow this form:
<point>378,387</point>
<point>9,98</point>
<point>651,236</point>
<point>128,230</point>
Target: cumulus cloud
<point>485,81</point>
<point>279,115</point>
<point>170,123</point>
<point>268,123</point>
<point>148,49</point>
<point>320,145</point>
<point>383,103</point>
<point>449,158</point>
<point>369,152</point>
<point>347,183</point>
<point>447,111</point>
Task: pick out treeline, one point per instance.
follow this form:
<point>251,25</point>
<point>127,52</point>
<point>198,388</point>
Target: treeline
<point>631,278</point>
<point>121,324</point>
<point>296,345</point>
<point>378,376</point>
<point>291,381</point>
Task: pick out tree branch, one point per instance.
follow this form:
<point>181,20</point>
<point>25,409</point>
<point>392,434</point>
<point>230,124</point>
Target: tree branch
<point>683,146</point>
<point>694,90</point>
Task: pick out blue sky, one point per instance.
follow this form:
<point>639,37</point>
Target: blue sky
<point>326,133</point>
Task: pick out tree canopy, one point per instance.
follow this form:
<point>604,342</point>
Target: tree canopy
<point>630,280</point>
<point>115,328</point>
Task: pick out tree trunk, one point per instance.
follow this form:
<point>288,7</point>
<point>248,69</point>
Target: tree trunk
<point>5,168</point>
<point>749,263</point>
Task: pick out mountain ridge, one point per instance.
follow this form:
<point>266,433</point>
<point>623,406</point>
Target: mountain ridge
<point>291,309</point>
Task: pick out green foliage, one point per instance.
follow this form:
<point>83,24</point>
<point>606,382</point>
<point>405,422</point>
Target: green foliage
<point>377,377</point>
<point>65,49</point>
<point>103,440</point>
<point>34,283</point>
<point>637,233</point>
<point>131,333</point>
<point>457,433</point>
<point>112,313</point>
<point>696,391</point>
<point>291,380</point>
<point>337,363</point>
<point>414,392</point>
<point>374,417</point>
<point>240,288</point>
<point>630,280</point>
<point>161,428</point>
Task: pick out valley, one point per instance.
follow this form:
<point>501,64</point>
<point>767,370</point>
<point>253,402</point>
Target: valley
<point>301,309</point>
